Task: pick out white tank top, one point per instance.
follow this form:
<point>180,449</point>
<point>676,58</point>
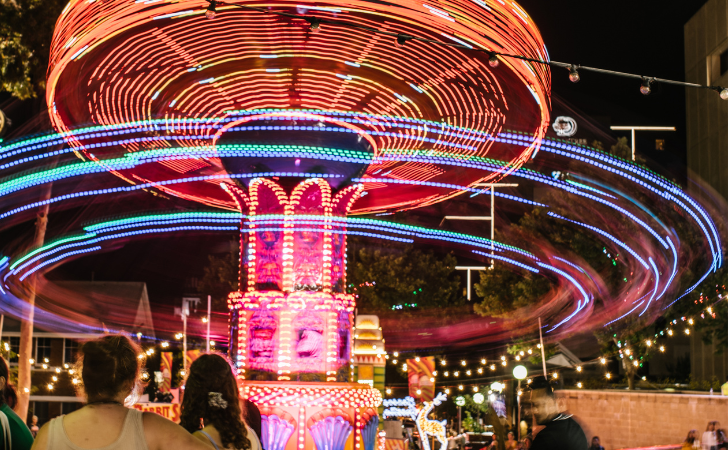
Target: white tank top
<point>130,438</point>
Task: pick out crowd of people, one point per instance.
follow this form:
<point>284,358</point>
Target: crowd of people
<point>212,414</point>
<point>713,438</point>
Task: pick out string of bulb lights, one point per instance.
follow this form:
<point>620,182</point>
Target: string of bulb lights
<point>646,86</point>
<point>622,352</point>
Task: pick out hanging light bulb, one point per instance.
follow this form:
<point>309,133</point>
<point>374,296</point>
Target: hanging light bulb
<point>211,11</point>
<point>402,39</point>
<point>314,24</point>
<point>645,89</point>
<point>724,94</point>
<point>574,74</point>
<point>493,61</point>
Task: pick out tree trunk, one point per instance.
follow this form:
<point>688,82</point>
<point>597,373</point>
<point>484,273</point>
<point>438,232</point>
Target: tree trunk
<point>26,323</point>
<point>629,371</point>
<point>494,420</point>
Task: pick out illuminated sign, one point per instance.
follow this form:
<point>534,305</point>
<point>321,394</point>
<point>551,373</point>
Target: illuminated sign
<point>169,411</point>
<point>565,126</point>
<point>400,407</point>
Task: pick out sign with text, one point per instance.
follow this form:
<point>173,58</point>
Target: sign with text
<point>169,411</point>
<point>399,407</point>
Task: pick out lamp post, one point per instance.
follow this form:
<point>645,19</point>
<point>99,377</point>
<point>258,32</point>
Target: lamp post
<point>520,372</point>
<point>460,401</point>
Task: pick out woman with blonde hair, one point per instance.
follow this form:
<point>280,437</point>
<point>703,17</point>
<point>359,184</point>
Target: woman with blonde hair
<point>110,368</point>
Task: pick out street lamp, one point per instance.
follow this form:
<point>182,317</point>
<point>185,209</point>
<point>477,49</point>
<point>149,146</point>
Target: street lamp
<point>460,401</point>
<point>520,372</point>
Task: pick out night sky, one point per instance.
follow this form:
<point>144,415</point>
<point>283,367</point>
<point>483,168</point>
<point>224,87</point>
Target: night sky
<point>644,38</point>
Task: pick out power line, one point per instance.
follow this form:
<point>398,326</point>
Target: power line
<point>401,39</point>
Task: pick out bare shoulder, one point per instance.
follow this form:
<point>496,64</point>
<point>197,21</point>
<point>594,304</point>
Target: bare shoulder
<point>163,434</point>
<point>41,439</point>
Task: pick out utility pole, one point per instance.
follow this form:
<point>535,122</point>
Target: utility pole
<point>184,311</point>
<point>638,128</point>
<point>491,218</point>
<point>209,308</point>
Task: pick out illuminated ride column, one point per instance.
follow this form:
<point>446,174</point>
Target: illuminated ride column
<point>291,322</point>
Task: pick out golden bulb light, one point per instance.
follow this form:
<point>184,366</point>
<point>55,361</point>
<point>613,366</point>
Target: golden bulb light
<point>462,363</point>
<point>578,368</point>
<point>603,360</point>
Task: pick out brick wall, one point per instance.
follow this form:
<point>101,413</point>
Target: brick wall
<point>639,419</point>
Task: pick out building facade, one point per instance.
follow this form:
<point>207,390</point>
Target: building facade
<point>119,306</point>
<point>706,62</point>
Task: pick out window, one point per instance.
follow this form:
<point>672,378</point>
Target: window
<point>42,350</point>
<point>70,348</point>
<point>13,344</point>
<point>659,144</point>
<point>723,62</point>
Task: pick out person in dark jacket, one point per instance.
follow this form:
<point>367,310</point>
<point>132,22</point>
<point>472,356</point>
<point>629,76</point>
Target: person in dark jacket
<point>251,416</point>
<point>561,431</point>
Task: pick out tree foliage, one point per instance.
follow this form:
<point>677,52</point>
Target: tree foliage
<point>504,290</point>
<point>219,279</point>
<point>383,281</point>
<point>26,30</point>
<point>708,308</point>
<point>631,340</point>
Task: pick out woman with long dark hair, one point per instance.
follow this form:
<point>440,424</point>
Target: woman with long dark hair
<point>211,406</point>
<point>12,428</point>
<point>689,441</point>
<point>110,369</point>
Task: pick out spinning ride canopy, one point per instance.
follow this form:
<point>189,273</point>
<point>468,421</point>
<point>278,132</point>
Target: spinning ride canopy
<point>268,94</point>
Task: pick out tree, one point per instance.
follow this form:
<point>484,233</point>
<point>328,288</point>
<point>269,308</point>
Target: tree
<point>707,307</point>
<point>220,278</point>
<point>26,30</point>
<point>504,290</point>
<point>403,277</point>
<point>631,340</point>
<point>521,349</point>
